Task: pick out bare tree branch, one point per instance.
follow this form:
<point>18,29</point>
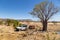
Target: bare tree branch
<point>44,10</point>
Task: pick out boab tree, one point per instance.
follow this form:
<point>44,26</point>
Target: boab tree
<point>44,11</point>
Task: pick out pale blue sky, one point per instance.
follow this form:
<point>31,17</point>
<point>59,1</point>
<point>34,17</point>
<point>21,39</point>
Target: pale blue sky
<point>19,9</point>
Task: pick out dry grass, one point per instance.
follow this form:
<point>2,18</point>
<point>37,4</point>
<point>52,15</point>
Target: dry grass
<point>23,35</point>
<point>8,33</point>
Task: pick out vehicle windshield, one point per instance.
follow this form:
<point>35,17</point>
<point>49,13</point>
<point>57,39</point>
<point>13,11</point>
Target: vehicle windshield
<point>23,25</point>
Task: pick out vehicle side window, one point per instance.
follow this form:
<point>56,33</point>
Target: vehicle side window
<point>24,25</point>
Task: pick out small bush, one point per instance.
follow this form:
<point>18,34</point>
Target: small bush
<point>1,22</point>
<point>15,23</point>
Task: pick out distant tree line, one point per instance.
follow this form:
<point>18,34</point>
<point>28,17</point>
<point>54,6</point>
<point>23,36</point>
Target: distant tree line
<point>10,22</point>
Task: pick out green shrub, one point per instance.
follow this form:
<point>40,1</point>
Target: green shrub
<point>1,22</point>
<point>19,24</point>
<point>8,22</point>
<point>15,23</point>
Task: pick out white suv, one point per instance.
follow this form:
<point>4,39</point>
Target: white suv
<point>22,27</point>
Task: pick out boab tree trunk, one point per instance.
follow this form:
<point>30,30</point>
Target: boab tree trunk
<point>44,23</point>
